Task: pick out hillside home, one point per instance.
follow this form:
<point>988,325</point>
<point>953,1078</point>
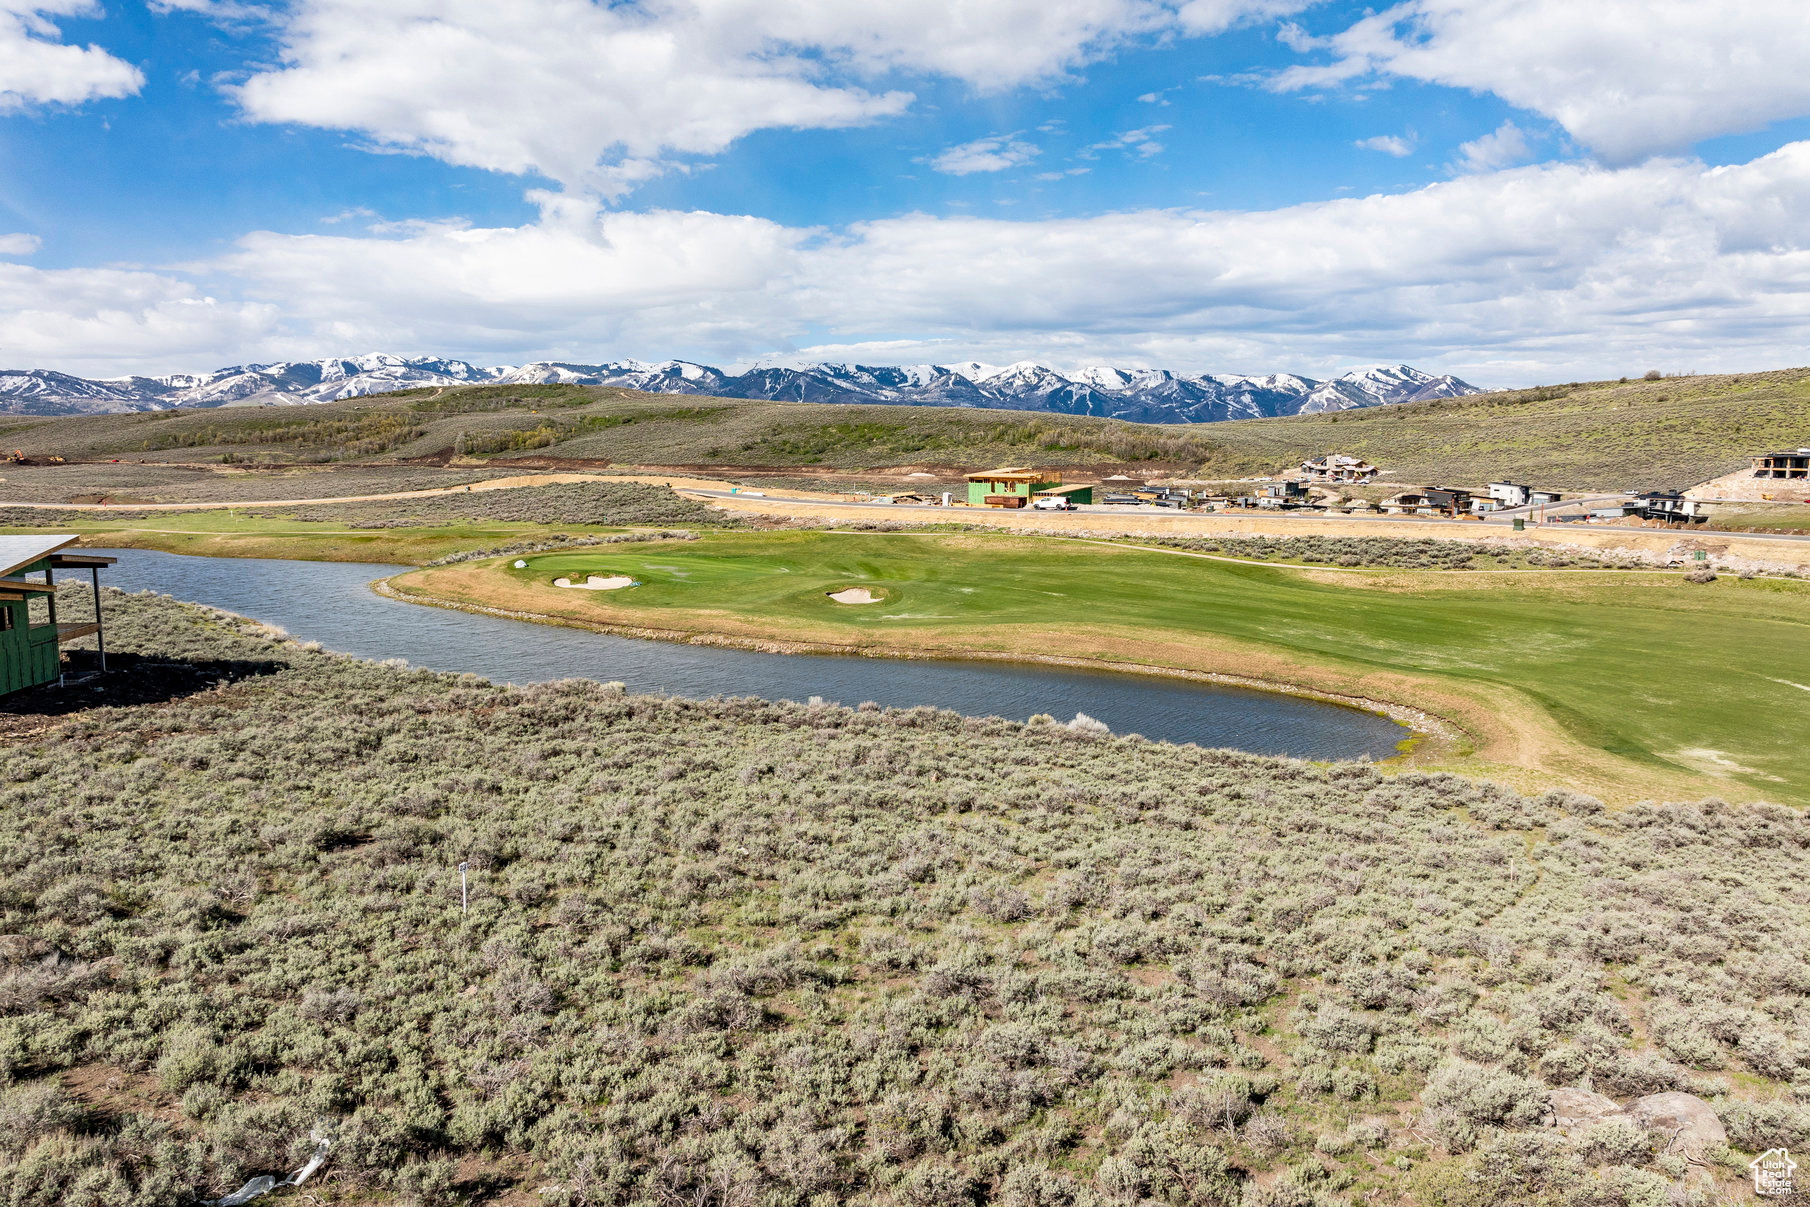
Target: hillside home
<point>1510,494</point>
<point>1449,501</point>
<point>31,638</point>
<point>1794,463</point>
<point>1338,467</point>
<point>1543,498</point>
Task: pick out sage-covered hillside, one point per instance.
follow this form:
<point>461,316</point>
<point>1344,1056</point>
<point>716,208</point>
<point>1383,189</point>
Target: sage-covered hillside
<point>732,952</point>
<point>1667,433</point>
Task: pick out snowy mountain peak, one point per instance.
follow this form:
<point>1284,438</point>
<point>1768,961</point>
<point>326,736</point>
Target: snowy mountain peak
<point>1144,395</point>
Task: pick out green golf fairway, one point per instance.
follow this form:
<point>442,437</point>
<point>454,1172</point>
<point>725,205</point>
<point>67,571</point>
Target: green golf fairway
<point>1711,681</point>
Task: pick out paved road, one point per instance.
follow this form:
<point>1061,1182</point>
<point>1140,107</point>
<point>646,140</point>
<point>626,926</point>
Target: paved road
<point>1497,520</point>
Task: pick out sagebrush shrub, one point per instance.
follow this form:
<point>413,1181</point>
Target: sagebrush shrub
<point>740,951</point>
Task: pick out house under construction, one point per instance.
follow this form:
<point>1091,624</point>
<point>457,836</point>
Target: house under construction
<point>1793,463</point>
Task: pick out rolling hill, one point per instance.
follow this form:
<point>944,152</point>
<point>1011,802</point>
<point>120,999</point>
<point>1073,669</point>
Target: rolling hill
<point>1673,432</point>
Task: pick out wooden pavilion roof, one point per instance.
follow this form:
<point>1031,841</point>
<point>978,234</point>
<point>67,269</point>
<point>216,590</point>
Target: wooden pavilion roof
<point>17,551</point>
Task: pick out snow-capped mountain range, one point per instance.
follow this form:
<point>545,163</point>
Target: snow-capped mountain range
<point>1144,395</point>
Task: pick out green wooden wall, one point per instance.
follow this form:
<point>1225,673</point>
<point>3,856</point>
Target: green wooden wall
<point>28,656</point>
<point>978,491</point>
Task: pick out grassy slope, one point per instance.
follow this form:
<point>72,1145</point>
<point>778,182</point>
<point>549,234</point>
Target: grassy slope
<point>1657,678</point>
<point>730,952</point>
<point>613,425</point>
<point>1757,517</point>
<point>1593,436</point>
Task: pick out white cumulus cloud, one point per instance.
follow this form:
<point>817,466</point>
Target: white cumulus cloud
<point>994,154</point>
<point>18,245</point>
<point>1388,144</point>
<point>556,87</point>
<point>38,68</point>
<point>1503,147</point>
<point>1535,273</point>
<point>115,321</point>
<point>1626,78</point>
<point>601,96</point>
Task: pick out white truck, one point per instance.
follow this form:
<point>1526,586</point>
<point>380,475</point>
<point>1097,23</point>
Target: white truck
<point>1053,503</point>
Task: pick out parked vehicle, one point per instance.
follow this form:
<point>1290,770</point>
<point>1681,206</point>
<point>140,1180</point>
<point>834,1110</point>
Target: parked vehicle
<point>1052,503</point>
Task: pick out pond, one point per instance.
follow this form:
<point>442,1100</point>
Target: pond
<point>332,603</point>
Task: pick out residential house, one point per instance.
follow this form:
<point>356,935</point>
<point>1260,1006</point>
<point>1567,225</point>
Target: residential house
<point>1666,506</point>
<point>1338,467</point>
<point>1793,463</point>
<point>1447,501</point>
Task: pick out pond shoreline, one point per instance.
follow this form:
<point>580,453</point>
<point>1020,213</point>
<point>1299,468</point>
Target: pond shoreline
<point>1421,725</point>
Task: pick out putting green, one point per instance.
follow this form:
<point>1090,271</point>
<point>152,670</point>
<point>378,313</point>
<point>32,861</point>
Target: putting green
<point>1683,687</point>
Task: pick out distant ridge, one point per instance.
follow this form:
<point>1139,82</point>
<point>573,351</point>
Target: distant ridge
<point>1143,395</point>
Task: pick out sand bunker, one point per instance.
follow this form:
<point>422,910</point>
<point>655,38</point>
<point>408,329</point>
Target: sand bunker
<point>593,582</point>
<point>854,595</point>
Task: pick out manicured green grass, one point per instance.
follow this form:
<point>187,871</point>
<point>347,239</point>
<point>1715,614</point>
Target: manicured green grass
<point>1703,679</point>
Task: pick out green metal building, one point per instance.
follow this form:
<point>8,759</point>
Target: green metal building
<point>1074,494</point>
<point>31,638</point>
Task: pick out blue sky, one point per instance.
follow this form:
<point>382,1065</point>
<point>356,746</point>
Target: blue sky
<point>86,179</point>
<point>1513,191</point>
